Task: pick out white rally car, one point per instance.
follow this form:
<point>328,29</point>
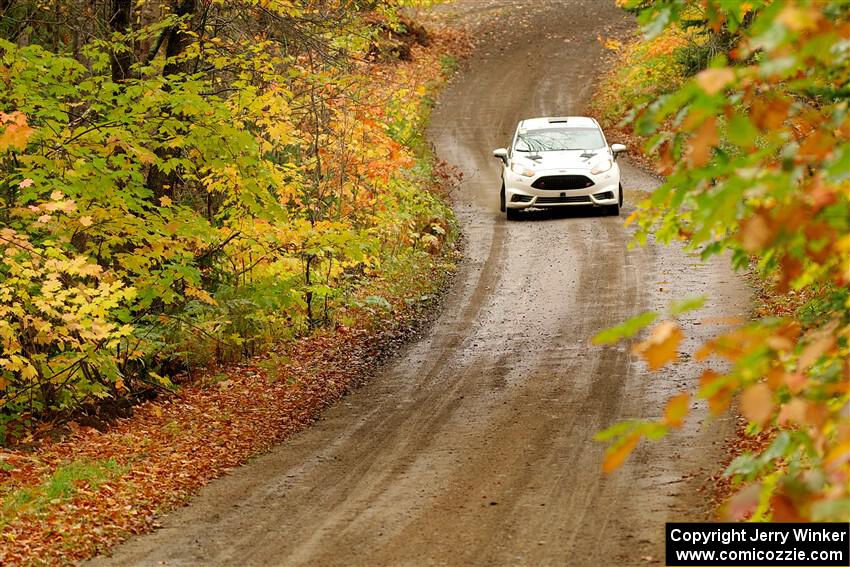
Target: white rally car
<point>558,162</point>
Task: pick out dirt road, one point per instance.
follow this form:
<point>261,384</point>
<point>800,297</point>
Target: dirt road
<point>474,447</point>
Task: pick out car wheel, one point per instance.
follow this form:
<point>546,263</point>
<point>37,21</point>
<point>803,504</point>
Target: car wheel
<point>502,199</point>
<point>621,194</point>
<point>612,210</point>
<point>512,214</point>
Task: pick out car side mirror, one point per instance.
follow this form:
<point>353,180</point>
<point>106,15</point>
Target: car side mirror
<point>502,154</point>
<point>617,149</point>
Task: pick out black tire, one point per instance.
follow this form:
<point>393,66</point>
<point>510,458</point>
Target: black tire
<point>621,194</point>
<point>512,214</point>
<point>612,210</point>
<point>502,199</point>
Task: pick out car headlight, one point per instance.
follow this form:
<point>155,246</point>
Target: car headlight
<point>602,167</point>
<point>520,169</point>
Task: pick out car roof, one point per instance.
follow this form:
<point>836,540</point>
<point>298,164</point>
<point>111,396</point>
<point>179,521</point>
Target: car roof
<point>555,121</point>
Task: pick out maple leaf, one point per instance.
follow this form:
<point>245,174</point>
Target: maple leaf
<point>676,410</point>
<point>702,142</point>
<point>713,80</point>
<point>661,346</point>
<point>757,403</point>
<point>616,455</point>
<point>756,233</point>
<point>743,503</point>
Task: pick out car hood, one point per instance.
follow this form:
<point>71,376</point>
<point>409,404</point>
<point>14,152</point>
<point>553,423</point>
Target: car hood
<point>566,159</point>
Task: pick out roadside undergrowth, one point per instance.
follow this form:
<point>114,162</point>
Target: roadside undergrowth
<point>72,489</point>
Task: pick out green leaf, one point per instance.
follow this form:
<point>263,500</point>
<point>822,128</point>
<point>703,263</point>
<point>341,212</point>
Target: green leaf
<point>741,131</point>
<point>689,304</point>
<point>625,330</point>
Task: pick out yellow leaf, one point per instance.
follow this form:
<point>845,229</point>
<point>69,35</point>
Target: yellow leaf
<point>676,410</point>
<point>757,403</point>
<point>838,456</point>
<point>613,45</point>
<point>617,454</point>
<point>661,346</point>
<point>86,221</point>
<point>798,18</point>
<point>165,201</point>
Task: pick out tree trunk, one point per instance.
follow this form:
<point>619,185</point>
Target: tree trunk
<point>119,22</point>
<point>177,40</point>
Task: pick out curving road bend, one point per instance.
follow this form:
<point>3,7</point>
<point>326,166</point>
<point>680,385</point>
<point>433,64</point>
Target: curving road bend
<point>475,446</point>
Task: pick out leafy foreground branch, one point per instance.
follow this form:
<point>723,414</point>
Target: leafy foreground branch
<point>755,148</point>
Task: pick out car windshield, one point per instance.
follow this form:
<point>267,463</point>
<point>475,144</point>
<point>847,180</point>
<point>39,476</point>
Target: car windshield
<point>556,139</point>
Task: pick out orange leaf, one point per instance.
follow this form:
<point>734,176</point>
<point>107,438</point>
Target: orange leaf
<point>794,412</point>
<point>769,114</point>
<point>17,133</point>
<point>718,400</point>
<point>757,403</point>
<point>795,382</point>
<point>817,146</point>
<point>676,410</point>
<point>701,144</point>
<point>743,503</point>
<point>704,351</point>
<point>661,346</point>
<point>756,233</point>
<point>617,454</point>
<point>784,510</point>
<point>814,350</point>
<point>775,377</point>
<point>712,81</point>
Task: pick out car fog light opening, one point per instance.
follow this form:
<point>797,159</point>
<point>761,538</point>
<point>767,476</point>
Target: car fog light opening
<point>605,195</point>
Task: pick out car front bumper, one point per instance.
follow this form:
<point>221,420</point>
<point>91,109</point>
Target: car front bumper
<point>520,193</point>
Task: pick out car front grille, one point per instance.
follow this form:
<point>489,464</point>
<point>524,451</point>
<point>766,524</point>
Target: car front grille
<point>562,182</point>
<point>570,199</point>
